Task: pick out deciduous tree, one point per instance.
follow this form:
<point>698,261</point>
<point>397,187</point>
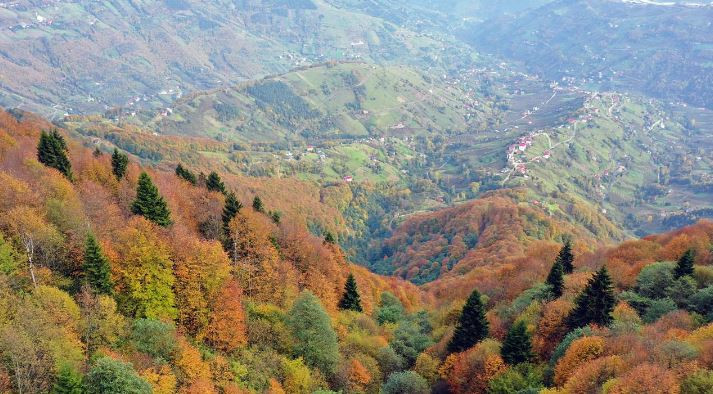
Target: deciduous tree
<point>226,330</point>
<point>315,340</point>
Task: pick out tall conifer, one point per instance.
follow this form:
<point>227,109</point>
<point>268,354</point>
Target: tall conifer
<point>52,152</point>
<point>119,162</point>
<point>149,203</point>
<point>595,303</point>
<point>231,208</point>
<point>214,183</point>
<point>517,346</point>
<point>566,258</point>
<point>97,271</point>
<point>555,279</point>
<point>350,299</point>
<point>684,266</point>
<point>472,326</point>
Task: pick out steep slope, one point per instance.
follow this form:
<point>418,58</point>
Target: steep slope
<point>660,48</point>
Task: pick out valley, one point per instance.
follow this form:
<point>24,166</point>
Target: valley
<point>368,197</point>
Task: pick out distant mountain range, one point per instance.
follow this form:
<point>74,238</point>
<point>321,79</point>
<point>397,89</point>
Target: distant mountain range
<point>663,49</point>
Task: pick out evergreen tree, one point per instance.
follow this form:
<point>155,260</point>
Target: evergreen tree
<point>231,208</point>
<point>97,152</point>
<point>181,172</point>
<point>566,258</point>
<point>329,238</point>
<point>52,152</point>
<point>96,267</point>
<point>119,162</point>
<point>684,266</point>
<point>350,299</point>
<point>555,279</point>
<point>257,204</point>
<point>68,381</point>
<point>214,183</point>
<point>472,326</point>
<point>149,203</point>
<point>595,303</point>
<point>517,346</point>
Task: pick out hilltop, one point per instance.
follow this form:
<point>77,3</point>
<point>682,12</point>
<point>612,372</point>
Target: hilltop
<point>661,49</point>
<point>85,57</point>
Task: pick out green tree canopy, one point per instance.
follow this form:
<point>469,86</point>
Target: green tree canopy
<point>149,203</point>
<point>517,346</point>
<point>110,376</point>
<point>119,163</point>
<point>214,183</point>
<point>97,271</point>
<point>350,299</point>
<point>185,174</point>
<point>566,258</point>
<point>472,327</point>
<point>390,309</point>
<point>315,340</point>
<point>52,152</point>
<point>684,265</point>
<point>555,279</point>
<point>595,303</point>
<point>68,381</point>
<point>257,204</point>
<point>408,382</point>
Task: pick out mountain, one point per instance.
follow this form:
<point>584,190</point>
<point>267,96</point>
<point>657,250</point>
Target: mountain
<point>189,307</point>
<point>78,57</point>
<point>661,49</point>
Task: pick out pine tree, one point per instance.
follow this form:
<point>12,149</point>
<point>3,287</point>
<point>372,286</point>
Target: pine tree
<point>684,266</point>
<point>257,204</point>
<point>517,346</point>
<point>566,258</point>
<point>149,203</point>
<point>119,162</point>
<point>350,299</point>
<point>231,208</point>
<point>97,152</point>
<point>185,174</point>
<point>214,183</point>
<point>555,279</point>
<point>329,238</point>
<point>472,326</point>
<point>97,271</point>
<point>52,152</point>
<point>595,303</point>
<point>68,381</point>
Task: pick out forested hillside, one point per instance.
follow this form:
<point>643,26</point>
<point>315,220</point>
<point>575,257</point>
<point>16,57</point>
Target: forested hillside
<point>117,276</point>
